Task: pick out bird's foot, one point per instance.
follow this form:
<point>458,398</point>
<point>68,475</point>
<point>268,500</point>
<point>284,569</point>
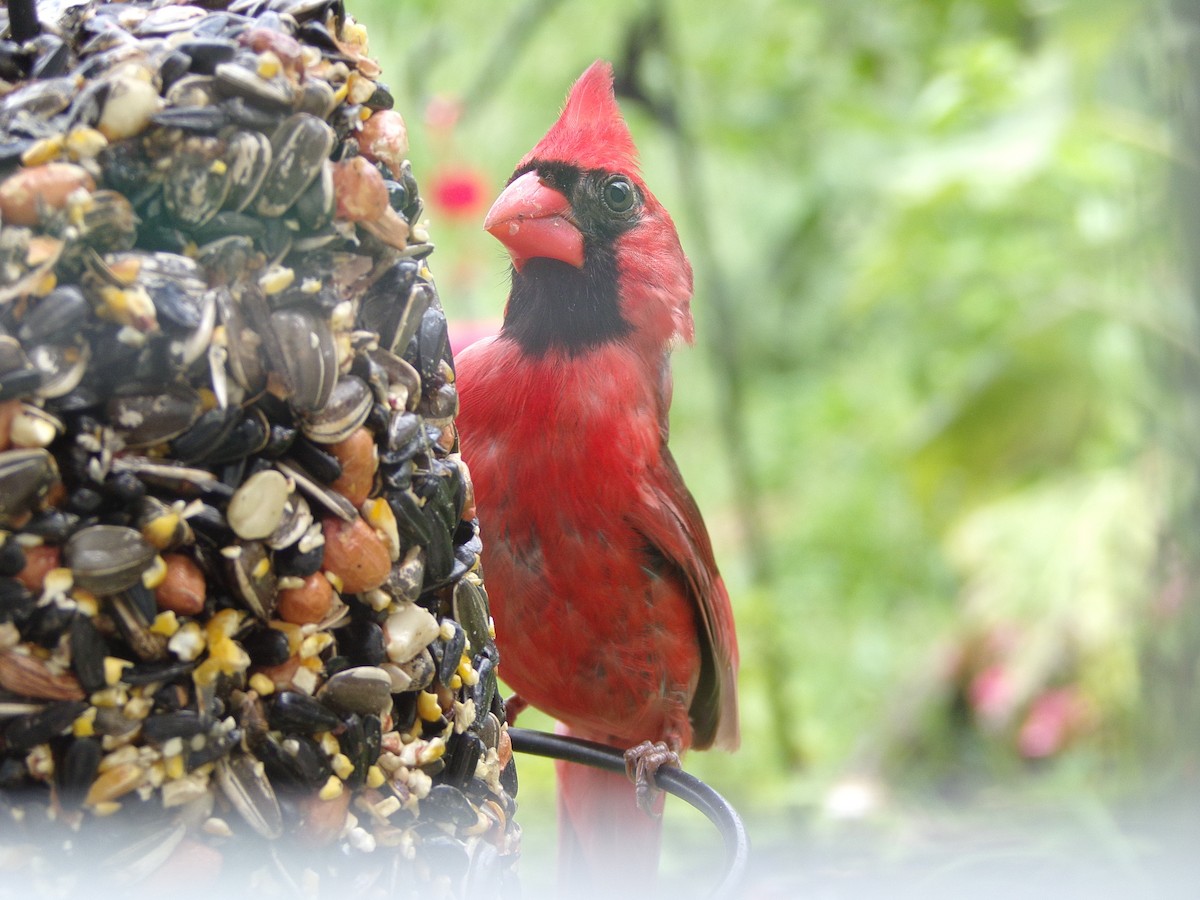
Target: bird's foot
<point>642,764</point>
<point>513,706</point>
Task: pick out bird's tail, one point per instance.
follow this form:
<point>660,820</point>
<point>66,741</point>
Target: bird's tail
<point>607,845</point>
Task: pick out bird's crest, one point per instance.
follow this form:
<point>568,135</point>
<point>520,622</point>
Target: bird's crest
<point>590,132</point>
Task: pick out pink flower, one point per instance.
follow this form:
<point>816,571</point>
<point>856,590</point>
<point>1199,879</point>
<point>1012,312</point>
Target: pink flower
<point>991,694</point>
<point>1053,719</point>
<point>458,193</point>
<point>442,114</point>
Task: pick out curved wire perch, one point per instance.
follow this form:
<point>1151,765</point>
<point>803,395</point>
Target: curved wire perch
<point>672,780</point>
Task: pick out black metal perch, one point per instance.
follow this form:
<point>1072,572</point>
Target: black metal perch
<point>674,781</point>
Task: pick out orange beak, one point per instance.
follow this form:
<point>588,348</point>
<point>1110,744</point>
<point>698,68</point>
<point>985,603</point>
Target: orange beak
<point>533,220</point>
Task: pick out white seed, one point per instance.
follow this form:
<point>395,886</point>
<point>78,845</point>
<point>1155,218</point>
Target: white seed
<point>408,631</point>
<point>256,508</point>
<point>130,104</point>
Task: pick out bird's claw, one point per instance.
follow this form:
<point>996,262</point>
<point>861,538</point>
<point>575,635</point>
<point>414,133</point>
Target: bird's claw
<point>513,707</point>
<point>642,764</point>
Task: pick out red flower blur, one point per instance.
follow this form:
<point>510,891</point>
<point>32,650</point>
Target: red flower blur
<point>1053,719</point>
<point>458,193</point>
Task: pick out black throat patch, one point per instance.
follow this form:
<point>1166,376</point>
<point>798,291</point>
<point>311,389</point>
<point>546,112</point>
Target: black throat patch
<point>555,306</point>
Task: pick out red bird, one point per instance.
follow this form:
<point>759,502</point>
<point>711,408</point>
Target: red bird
<point>610,613</point>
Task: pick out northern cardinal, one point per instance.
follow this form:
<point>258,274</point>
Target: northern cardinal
<point>610,613</point>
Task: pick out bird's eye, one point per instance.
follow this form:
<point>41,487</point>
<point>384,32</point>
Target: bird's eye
<point>619,194</point>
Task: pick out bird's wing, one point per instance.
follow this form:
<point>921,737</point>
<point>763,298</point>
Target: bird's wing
<point>668,518</point>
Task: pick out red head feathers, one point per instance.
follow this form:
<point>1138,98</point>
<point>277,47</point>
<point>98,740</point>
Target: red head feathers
<point>578,198</point>
<point>590,131</point>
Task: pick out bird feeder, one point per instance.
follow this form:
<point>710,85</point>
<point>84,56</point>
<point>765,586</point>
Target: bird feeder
<point>243,634</point>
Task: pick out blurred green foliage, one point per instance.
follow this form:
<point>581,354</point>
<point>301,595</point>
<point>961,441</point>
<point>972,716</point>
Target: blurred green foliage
<point>939,229</point>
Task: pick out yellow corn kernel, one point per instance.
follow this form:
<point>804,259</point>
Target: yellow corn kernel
<point>329,744</point>
<point>332,789</point>
<point>218,167</point>
<point>262,567</point>
<point>225,655</point>
<point>86,601</point>
<point>165,623</point>
<point>106,808</point>
<point>268,64</point>
<point>58,581</point>
<point>43,151</point>
<point>231,657</point>
<point>45,285</point>
<point>358,89</point>
<point>85,143</point>
<point>113,667</point>
<point>110,697</point>
<point>77,212</point>
<point>428,707</point>
<point>261,684</point>
<point>206,673</point>
<point>160,531</point>
<point>341,765</point>
<point>208,400</point>
<point>126,306</point>
<point>277,278</point>
<point>137,707</point>
<point>334,580</point>
<point>455,682</point>
<point>315,644</point>
<point>173,766</point>
<point>467,673</point>
<point>355,33</point>
<point>155,575</point>
<point>375,777</point>
<point>224,624</point>
<point>431,752</point>
<point>85,724</point>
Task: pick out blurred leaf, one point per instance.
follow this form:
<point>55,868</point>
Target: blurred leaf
<point>1025,418</point>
